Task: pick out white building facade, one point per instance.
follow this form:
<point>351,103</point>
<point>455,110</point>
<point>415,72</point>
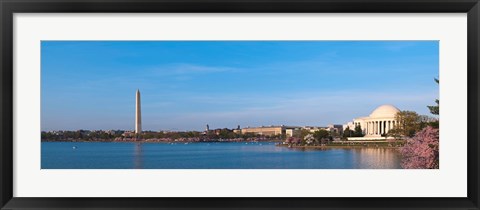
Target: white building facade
<point>377,124</point>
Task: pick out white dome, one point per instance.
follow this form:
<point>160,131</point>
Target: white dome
<point>385,111</point>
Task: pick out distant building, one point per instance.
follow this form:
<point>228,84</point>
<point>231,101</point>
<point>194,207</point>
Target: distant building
<point>330,128</point>
<point>267,130</point>
<point>114,132</point>
<point>128,134</point>
<point>238,130</point>
<point>312,129</point>
<point>289,132</point>
<point>207,129</point>
<point>335,128</point>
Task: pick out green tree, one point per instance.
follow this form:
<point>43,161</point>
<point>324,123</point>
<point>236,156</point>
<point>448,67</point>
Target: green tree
<point>148,135</point>
<point>321,135</point>
<point>395,133</point>
<point>225,133</point>
<point>409,122</point>
<point>78,134</point>
<point>347,132</point>
<point>248,135</point>
<point>435,109</point>
<point>304,133</point>
<point>358,131</point>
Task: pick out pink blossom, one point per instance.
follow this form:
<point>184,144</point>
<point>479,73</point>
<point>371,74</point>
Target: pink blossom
<point>293,140</point>
<point>422,151</point>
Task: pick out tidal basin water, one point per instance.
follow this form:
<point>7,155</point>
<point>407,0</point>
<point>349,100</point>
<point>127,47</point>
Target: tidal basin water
<point>265,155</point>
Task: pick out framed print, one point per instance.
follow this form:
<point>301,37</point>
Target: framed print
<point>239,105</point>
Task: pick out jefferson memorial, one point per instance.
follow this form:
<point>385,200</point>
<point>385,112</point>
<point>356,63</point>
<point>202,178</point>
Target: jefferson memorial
<point>378,123</point>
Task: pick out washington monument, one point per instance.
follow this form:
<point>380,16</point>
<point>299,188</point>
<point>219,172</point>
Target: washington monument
<point>138,114</point>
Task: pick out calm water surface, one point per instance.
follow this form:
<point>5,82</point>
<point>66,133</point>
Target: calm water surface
<point>113,155</point>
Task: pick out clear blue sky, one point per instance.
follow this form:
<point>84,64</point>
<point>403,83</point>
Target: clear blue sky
<point>188,84</point>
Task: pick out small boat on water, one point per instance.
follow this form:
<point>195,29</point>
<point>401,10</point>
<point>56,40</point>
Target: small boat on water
<point>74,147</point>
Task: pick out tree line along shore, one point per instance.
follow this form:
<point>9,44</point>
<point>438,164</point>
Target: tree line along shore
<point>218,135</point>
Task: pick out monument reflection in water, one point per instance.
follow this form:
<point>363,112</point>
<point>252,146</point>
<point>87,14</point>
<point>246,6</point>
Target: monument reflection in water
<point>138,156</point>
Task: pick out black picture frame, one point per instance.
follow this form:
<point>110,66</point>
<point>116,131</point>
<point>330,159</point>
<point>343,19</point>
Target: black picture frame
<point>9,7</point>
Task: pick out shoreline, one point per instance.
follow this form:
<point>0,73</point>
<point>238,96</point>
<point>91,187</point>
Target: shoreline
<point>356,145</point>
<point>350,145</point>
<point>340,147</point>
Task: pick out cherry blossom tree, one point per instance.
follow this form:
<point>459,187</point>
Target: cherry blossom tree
<point>422,151</point>
<point>297,140</point>
<point>293,140</point>
<point>309,139</point>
